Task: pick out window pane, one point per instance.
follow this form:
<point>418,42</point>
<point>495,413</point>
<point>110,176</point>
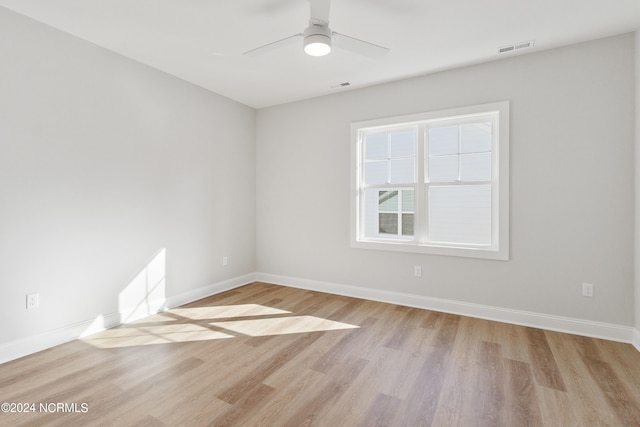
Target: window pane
<point>388,201</point>
<point>403,144</point>
<point>443,140</point>
<point>443,168</point>
<point>403,171</point>
<point>407,224</point>
<point>375,172</point>
<point>388,207</point>
<point>370,216</point>
<point>375,147</point>
<point>475,138</point>
<point>475,167</point>
<point>407,200</point>
<point>388,223</point>
<point>460,214</point>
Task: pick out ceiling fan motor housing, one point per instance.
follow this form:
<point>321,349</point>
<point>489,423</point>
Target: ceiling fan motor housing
<point>317,40</point>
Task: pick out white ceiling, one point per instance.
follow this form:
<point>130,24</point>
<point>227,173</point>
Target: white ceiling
<point>202,41</point>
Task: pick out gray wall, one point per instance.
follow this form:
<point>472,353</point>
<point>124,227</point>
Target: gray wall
<point>572,185</point>
<point>103,163</point>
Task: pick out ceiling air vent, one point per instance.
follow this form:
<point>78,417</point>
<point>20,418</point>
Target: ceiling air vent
<point>517,46</point>
<point>343,84</point>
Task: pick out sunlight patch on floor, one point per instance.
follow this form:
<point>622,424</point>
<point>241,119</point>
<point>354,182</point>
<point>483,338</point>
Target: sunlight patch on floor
<point>227,311</point>
<point>150,335</point>
<point>181,325</point>
<point>282,325</point>
<point>163,317</point>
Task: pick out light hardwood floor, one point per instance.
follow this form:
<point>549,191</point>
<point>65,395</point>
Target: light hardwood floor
<point>265,355</point>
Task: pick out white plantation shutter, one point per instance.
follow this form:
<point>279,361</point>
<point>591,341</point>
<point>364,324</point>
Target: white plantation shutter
<point>461,153</point>
<point>460,214</point>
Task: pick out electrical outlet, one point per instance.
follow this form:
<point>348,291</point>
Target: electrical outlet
<point>225,260</point>
<point>33,301</point>
<point>587,289</point>
<point>417,271</point>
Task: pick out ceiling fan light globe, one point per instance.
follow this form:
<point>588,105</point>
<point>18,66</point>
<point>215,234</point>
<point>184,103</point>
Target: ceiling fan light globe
<point>317,45</point>
<point>317,40</point>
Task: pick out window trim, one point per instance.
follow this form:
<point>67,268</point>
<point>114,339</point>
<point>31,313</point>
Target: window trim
<point>500,249</point>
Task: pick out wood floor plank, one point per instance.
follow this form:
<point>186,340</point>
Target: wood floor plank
<point>559,409</point>
<point>267,355</point>
<point>521,396</point>
<point>252,400</point>
<point>219,298</point>
<point>311,304</point>
<point>512,341</point>
<point>456,406</point>
<point>192,408</point>
<point>382,411</point>
<point>621,400</point>
<point>583,402</point>
<point>24,369</point>
<point>403,329</point>
<point>377,333</point>
<point>421,405</point>
<point>310,412</point>
<point>544,365</point>
<point>304,360</point>
<point>347,310</point>
<point>149,421</point>
<point>255,376</point>
<point>425,393</point>
<point>490,386</point>
<point>287,399</point>
<point>622,359</point>
<point>355,405</point>
<point>353,340</point>
<point>117,410</point>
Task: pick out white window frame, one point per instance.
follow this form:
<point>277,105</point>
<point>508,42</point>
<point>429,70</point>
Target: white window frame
<point>499,247</point>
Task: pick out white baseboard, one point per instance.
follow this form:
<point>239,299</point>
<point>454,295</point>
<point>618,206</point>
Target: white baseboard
<point>32,344</point>
<point>570,325</point>
<point>636,339</point>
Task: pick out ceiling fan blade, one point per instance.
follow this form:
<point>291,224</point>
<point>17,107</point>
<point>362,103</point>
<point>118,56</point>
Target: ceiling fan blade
<point>358,46</point>
<point>296,38</point>
<point>270,6</point>
<point>320,11</point>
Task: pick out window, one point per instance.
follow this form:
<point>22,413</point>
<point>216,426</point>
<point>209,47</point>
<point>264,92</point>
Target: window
<point>433,183</point>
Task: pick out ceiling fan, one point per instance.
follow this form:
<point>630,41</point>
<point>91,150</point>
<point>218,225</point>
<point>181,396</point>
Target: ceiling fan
<point>318,38</point>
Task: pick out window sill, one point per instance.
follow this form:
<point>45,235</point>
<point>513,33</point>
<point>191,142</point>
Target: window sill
<point>410,247</point>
